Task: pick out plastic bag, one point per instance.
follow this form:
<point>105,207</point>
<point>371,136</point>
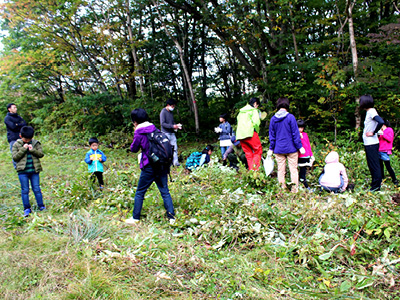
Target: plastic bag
<point>268,165</point>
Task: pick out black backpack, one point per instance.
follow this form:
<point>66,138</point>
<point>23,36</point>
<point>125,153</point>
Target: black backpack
<point>160,151</point>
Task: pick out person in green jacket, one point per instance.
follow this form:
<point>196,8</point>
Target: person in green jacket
<point>247,133</point>
<point>26,152</point>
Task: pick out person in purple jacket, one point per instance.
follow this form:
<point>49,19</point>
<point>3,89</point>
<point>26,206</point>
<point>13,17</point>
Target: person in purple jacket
<point>285,142</point>
<point>148,175</point>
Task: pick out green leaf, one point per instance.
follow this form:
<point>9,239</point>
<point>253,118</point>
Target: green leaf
<point>345,286</point>
<point>325,256</point>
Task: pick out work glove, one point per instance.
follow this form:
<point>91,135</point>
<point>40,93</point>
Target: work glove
<point>269,153</point>
<point>302,150</point>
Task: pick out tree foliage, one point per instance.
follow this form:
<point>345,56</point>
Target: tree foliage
<point>58,50</point>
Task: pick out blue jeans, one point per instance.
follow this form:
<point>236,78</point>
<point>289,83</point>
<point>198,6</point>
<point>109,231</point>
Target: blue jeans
<point>333,189</point>
<point>11,145</point>
<point>24,179</point>
<point>223,150</point>
<point>147,177</point>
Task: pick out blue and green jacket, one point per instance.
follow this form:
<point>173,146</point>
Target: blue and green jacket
<point>95,165</point>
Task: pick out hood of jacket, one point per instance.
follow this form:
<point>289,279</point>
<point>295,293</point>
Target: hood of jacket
<point>281,115</point>
<point>332,157</point>
<point>247,108</point>
<point>145,128</point>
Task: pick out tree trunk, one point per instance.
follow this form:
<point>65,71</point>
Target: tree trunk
<point>133,48</point>
<point>353,46</point>
<point>185,69</point>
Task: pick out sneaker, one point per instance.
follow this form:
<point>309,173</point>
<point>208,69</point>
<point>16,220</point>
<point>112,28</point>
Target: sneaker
<point>132,221</point>
<point>396,182</point>
<point>27,212</point>
<point>177,164</point>
<point>171,221</point>
<point>42,208</point>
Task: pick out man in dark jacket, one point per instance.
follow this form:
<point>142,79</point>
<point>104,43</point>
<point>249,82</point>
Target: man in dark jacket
<point>169,127</point>
<point>14,123</point>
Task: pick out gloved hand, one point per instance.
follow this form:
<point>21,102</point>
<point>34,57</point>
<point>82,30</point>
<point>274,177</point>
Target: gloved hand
<point>312,160</point>
<point>302,150</point>
<point>269,153</point>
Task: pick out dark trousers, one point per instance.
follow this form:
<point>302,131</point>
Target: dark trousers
<point>302,176</point>
<point>147,177</point>
<point>99,176</point>
<point>389,168</point>
<point>374,166</point>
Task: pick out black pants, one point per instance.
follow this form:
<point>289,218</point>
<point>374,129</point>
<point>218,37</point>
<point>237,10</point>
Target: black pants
<point>389,168</point>
<point>302,176</point>
<point>99,176</point>
<point>233,160</point>
<point>374,166</point>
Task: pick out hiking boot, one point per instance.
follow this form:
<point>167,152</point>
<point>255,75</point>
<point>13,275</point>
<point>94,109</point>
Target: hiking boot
<point>27,212</point>
<point>396,182</point>
<point>42,208</point>
<point>132,221</point>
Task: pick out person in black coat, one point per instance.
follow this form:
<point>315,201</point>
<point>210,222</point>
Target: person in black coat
<point>14,123</point>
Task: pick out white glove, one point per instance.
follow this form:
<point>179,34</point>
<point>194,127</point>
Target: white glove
<point>217,130</point>
<point>302,150</point>
<point>312,160</point>
<point>269,153</point>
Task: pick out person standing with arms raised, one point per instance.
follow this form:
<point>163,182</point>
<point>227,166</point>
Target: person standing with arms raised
<point>14,123</point>
<point>169,127</point>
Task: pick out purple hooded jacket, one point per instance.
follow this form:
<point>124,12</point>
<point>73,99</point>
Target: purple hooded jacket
<point>284,135</point>
<point>140,141</point>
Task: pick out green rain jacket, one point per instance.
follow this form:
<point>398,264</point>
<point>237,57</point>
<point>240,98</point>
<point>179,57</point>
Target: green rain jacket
<point>248,121</point>
<point>19,155</point>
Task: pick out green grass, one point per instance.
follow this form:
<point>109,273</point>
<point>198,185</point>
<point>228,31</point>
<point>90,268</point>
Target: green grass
<point>237,236</point>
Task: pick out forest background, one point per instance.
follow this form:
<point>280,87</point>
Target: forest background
<point>77,68</point>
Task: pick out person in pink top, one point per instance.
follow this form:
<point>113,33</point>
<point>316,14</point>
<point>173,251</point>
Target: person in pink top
<point>334,178</point>
<point>305,160</point>
<point>385,150</point>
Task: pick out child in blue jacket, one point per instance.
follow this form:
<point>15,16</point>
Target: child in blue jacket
<point>225,133</point>
<point>95,158</point>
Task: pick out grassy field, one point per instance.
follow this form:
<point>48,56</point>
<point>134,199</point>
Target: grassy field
<point>237,235</point>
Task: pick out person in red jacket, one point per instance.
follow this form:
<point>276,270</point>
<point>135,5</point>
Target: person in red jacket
<point>385,150</point>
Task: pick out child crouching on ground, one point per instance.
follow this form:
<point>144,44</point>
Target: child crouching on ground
<point>26,153</point>
<point>95,159</point>
<point>198,159</point>
<point>334,177</point>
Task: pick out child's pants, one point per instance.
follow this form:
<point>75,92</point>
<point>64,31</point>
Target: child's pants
<point>332,189</point>
<point>302,175</point>
<point>385,159</point>
<point>292,159</point>
<point>99,176</point>
<point>223,150</point>
<point>253,150</point>
<point>34,178</point>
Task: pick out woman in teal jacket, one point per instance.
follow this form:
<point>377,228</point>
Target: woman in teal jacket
<point>247,133</point>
